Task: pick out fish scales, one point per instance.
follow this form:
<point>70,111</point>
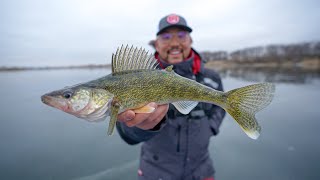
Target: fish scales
<point>136,89</point>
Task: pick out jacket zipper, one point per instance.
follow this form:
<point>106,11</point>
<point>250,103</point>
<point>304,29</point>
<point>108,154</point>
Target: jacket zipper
<point>178,143</point>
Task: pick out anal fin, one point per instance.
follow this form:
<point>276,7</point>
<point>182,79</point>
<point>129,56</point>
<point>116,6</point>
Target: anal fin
<point>185,107</point>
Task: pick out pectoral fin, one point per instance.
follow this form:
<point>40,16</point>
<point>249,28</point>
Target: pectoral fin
<point>113,117</point>
<point>144,109</point>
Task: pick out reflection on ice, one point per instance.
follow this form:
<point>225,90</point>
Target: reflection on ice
<point>271,75</point>
<point>125,171</point>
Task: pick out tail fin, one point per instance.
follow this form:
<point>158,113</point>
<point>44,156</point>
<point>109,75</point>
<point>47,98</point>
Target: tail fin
<point>243,103</point>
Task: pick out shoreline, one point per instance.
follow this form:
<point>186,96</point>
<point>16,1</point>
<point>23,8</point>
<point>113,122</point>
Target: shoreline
<point>307,64</point>
<point>17,68</point>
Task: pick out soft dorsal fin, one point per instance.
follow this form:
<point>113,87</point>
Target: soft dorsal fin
<point>133,58</point>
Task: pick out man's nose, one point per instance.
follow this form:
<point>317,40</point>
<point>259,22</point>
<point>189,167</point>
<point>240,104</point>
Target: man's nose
<point>174,41</point>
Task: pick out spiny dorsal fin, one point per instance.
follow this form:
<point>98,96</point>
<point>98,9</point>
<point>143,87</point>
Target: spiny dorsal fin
<point>133,58</point>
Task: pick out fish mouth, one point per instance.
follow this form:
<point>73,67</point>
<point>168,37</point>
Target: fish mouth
<point>53,102</point>
<point>46,99</point>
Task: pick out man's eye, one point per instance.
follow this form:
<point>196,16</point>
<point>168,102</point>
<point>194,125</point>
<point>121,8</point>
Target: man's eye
<point>182,35</point>
<point>166,36</point>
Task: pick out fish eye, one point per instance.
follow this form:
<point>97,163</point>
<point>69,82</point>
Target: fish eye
<point>67,94</point>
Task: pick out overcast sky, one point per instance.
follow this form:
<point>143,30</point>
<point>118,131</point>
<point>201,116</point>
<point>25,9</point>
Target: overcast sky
<point>73,32</point>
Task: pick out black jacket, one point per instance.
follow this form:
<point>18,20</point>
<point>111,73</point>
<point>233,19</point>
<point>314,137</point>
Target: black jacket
<point>179,149</point>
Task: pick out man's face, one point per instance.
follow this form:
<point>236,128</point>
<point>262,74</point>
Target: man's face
<point>173,45</point>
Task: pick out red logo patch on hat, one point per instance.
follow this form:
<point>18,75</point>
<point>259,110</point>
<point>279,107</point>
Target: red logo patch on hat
<point>173,19</point>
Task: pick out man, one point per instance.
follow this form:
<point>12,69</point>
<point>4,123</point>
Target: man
<point>175,146</point>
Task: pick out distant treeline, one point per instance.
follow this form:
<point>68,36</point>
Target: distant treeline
<point>89,66</point>
<point>292,52</point>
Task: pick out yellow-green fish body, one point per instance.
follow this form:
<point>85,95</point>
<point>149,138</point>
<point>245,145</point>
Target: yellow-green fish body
<point>135,81</point>
<point>135,89</point>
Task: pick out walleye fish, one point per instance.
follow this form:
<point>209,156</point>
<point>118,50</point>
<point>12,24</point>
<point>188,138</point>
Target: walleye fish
<point>135,81</point>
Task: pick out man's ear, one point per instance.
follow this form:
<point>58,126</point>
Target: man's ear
<point>156,45</point>
<point>152,43</point>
